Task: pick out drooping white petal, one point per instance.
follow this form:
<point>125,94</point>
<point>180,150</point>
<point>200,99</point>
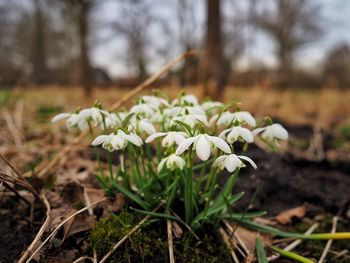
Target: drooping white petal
<point>246,134</point>
<point>133,138</point>
<point>252,163</point>
<point>99,139</point>
<point>185,145</point>
<point>147,127</point>
<point>258,130</point>
<point>246,117</point>
<point>161,165</point>
<point>60,116</point>
<point>232,162</point>
<point>154,136</point>
<point>279,132</point>
<point>220,143</point>
<point>179,137</point>
<point>219,161</point>
<point>203,148</point>
<point>222,135</point>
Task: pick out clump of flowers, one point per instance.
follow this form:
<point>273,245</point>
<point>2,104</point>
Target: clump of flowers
<point>175,153</point>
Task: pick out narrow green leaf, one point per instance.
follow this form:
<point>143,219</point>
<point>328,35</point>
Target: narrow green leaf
<point>238,216</point>
<point>132,196</point>
<point>291,255</point>
<point>260,251</point>
<point>155,214</point>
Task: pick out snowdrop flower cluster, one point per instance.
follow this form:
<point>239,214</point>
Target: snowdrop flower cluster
<point>161,143</point>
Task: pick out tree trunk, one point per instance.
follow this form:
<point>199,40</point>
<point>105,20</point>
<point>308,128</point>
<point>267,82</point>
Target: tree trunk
<point>84,61</point>
<point>214,72</point>
<point>39,54</point>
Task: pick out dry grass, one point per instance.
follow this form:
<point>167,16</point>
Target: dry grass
<point>325,108</point>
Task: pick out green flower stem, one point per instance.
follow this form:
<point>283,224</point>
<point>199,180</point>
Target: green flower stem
<point>188,188</point>
<point>110,163</point>
<point>98,158</point>
<point>210,177</point>
<point>210,193</point>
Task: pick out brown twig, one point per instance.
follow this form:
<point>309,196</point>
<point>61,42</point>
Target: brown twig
<point>226,239</point>
<point>45,166</point>
<point>60,225</point>
<point>330,241</point>
<point>16,193</point>
<point>41,231</point>
<point>132,231</point>
<point>170,241</point>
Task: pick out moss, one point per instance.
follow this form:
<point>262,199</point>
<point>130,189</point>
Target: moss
<point>149,243</point>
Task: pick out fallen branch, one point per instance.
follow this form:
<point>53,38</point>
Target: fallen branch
<point>330,241</point>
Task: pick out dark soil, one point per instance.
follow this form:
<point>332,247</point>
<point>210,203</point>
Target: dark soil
<point>17,230</point>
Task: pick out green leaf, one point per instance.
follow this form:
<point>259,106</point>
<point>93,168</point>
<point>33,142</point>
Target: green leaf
<point>155,214</point>
<point>186,127</point>
<point>291,255</point>
<point>238,216</point>
<point>132,196</point>
<point>260,251</point>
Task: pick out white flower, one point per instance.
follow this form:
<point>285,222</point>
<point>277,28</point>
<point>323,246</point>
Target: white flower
<point>141,126</point>
<point>93,115</point>
<point>210,105</point>
<point>245,116</point>
<point>117,141</point>
<point>186,99</point>
<point>203,143</point>
<point>272,132</point>
<point>155,101</point>
<point>144,110</point>
<point>172,162</point>
<point>111,121</point>
<point>191,120</point>
<point>236,133</point>
<point>231,162</point>
<point>226,118</point>
<point>171,138</point>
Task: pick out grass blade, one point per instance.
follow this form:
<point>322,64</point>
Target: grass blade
<point>260,251</point>
<point>291,255</point>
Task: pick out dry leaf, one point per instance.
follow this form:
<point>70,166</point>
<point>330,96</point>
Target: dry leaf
<point>248,237</point>
<point>286,216</point>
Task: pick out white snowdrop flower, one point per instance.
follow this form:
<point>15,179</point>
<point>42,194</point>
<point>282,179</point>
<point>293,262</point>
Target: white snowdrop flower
<point>93,114</point>
<point>272,132</point>
<point>191,120</point>
<point>111,121</point>
<point>117,141</point>
<point>223,119</point>
<point>226,118</point>
<point>62,116</point>
<point>144,110</point>
<point>142,126</point>
<point>186,99</point>
<point>155,101</point>
<point>237,133</point>
<point>245,116</point>
<point>232,161</point>
<point>170,138</point>
<point>172,162</point>
<point>203,144</point>
<point>210,105</point>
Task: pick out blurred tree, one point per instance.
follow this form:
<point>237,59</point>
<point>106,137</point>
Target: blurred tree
<point>188,26</point>
<point>78,12</point>
<point>291,25</point>
<point>337,66</point>
<point>40,70</point>
<point>215,67</point>
<point>135,20</point>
